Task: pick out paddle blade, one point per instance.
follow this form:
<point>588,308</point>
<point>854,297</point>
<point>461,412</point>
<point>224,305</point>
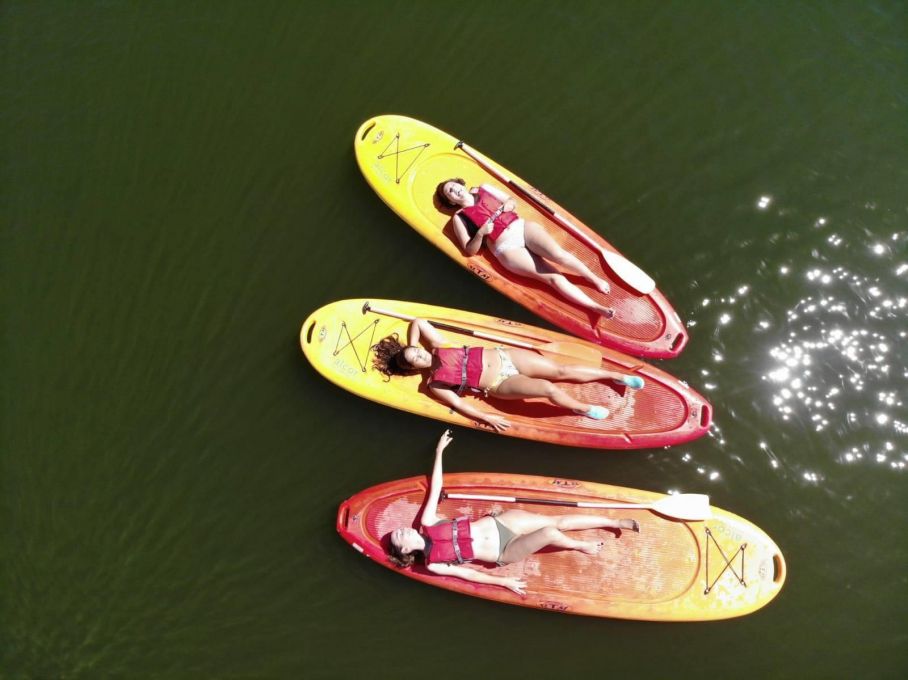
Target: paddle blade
<point>628,272</point>
<point>691,507</point>
<point>571,353</point>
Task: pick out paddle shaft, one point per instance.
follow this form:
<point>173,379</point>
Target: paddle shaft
<point>561,352</point>
<point>439,324</point>
<point>546,501</point>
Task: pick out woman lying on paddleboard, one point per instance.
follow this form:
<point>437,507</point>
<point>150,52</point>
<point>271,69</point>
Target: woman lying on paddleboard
<point>521,246</point>
<point>504,373</point>
<point>500,539</point>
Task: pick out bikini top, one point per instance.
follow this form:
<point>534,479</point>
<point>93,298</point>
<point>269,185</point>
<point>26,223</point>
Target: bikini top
<point>487,206</point>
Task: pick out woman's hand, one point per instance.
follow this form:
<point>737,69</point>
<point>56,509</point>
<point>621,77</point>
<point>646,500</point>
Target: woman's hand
<point>497,423</point>
<point>446,438</point>
<point>515,585</point>
<point>487,228</point>
<point>509,206</point>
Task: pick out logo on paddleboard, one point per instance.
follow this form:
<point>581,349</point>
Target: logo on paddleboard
<point>479,272</point>
<point>540,194</point>
<point>322,333</point>
<point>512,324</point>
<point>378,137</point>
<point>564,483</point>
<point>555,606</point>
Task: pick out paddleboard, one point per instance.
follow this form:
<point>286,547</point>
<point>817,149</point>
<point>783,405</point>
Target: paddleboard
<point>403,160</point>
<point>670,571</point>
<point>338,339</point>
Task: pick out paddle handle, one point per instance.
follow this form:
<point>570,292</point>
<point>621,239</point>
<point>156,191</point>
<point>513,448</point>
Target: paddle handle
<point>438,324</point>
<point>546,501</point>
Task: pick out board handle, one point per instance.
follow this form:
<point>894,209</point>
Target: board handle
<point>343,516</point>
<point>780,569</point>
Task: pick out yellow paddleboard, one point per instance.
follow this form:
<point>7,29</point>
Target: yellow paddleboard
<point>404,160</point>
<point>338,338</point>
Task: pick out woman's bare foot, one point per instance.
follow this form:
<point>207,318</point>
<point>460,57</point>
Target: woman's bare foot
<point>630,524</point>
<point>605,312</point>
<point>601,285</point>
<point>590,547</point>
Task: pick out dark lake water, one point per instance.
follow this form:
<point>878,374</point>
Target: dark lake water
<point>178,192</point>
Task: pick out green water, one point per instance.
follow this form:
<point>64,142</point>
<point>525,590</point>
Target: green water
<point>178,191</point>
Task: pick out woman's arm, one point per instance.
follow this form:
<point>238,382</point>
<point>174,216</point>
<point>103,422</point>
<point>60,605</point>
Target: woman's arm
<point>429,514</point>
<point>449,397</point>
<point>420,328</point>
<point>479,577</point>
<point>470,245</point>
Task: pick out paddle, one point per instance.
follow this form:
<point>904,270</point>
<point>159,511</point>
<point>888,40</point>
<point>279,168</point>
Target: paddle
<point>626,270</point>
<point>564,352</point>
<point>690,507</point>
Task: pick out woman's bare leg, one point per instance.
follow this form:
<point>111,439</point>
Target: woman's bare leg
<point>522,261</point>
<point>535,532</point>
<point>522,522</point>
<point>535,365</point>
<point>524,546</point>
<point>521,386</point>
<point>539,241</point>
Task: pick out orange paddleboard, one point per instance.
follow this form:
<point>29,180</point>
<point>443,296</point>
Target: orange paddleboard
<point>671,571</point>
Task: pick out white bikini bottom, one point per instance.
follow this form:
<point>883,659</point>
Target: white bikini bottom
<point>511,238</point>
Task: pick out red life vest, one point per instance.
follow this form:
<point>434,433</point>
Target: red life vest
<point>456,371</point>
<point>486,206</point>
<point>449,541</point>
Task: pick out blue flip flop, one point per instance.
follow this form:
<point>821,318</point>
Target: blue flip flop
<point>635,382</point>
<point>597,412</point>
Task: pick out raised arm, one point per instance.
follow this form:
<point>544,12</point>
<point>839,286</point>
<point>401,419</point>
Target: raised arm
<point>450,397</point>
<point>420,328</point>
<point>430,513</point>
<point>468,574</point>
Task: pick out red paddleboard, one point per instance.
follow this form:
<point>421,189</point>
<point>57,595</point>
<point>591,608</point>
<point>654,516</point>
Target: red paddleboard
<point>671,571</point>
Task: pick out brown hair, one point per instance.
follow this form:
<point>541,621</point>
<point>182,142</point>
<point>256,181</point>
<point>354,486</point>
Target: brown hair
<point>389,357</point>
<point>399,559</point>
<point>440,192</point>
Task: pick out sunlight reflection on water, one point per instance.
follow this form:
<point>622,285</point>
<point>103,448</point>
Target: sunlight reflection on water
<point>834,357</point>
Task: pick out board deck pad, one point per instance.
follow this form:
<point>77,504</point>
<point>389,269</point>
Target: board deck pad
<point>670,571</point>
<point>338,338</point>
<point>403,160</point>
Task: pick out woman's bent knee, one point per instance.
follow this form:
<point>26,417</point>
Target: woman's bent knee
<point>550,533</point>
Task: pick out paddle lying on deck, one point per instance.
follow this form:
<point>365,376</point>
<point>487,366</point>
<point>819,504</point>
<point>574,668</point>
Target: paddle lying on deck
<point>626,270</point>
<point>690,507</point>
<point>560,351</point>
